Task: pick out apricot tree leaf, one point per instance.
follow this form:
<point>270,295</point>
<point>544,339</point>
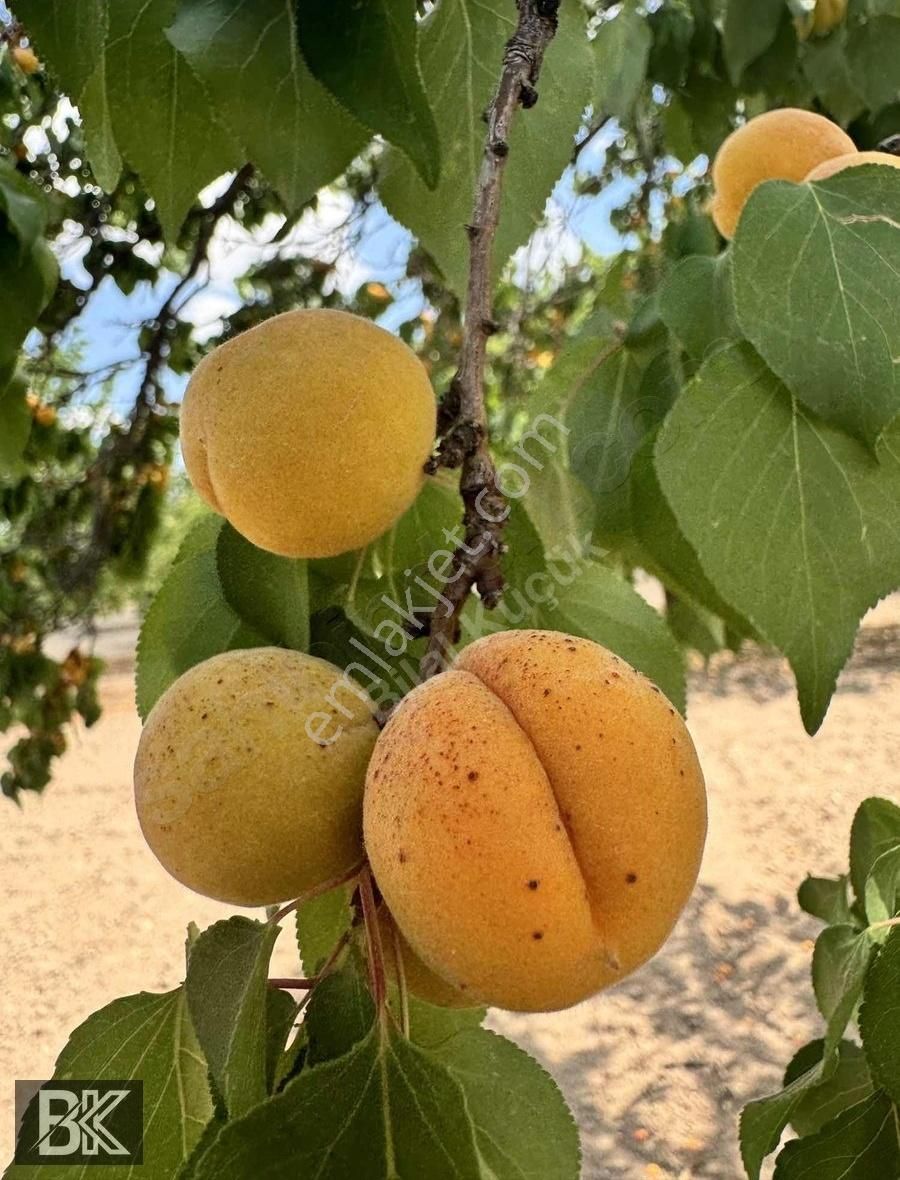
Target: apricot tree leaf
<point>146,1037</point>
<point>270,593</point>
<point>808,502</point>
<point>368,57</point>
<point>287,123</point>
<point>817,292</point>
<point>227,989</point>
<point>188,621</point>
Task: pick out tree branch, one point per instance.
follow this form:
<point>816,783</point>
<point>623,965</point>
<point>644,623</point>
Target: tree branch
<point>462,419</point>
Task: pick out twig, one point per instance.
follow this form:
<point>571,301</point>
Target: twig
<point>374,949</point>
<point>462,421</point>
<point>317,891</point>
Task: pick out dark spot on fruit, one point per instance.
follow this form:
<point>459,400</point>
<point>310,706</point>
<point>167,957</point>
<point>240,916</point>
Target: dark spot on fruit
<point>401,856</point>
<point>533,884</point>
<point>631,878</point>
<point>538,935</point>
<point>578,745</point>
<point>472,775</point>
<point>203,716</point>
<point>546,692</point>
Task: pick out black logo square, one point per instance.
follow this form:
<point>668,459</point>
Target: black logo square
<point>79,1122</point>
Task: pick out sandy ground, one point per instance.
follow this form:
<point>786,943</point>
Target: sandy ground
<point>655,1070</point>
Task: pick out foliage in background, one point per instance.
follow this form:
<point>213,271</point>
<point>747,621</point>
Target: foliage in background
<point>841,1096</point>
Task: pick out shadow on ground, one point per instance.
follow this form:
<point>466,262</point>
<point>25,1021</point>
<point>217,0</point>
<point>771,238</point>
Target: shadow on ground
<point>657,1070</point>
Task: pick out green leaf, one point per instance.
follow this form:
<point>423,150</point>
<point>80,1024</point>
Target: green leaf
<point>764,1120</point>
<point>149,1038</point>
<point>15,427</point>
<point>805,500</point>
<point>367,55</point>
<point>461,50</point>
<point>824,62</point>
<point>226,990</point>
<point>696,304</point>
<point>859,1144</point>
<point>609,417</point>
<point>102,149</point>
<point>160,115</point>
<point>695,627</point>
<point>268,592</point>
<point>558,504</point>
<point>883,887</point>
<point>872,49</point>
<point>523,1128</point>
<point>879,1019</point>
<point>665,550</point>
<point>22,206</point>
<point>188,621</point>
<point>817,292</point>
<point>71,38</point>
<point>384,1108</point>
<point>826,899</point>
<point>602,606</point>
<point>27,280</point>
<point>430,1026</point>
<point>850,1083</point>
<point>320,925</point>
<point>840,960</point>
<point>875,830</point>
<point>621,49</point>
<point>751,27</point>
<point>288,124</point>
<point>340,1014</point>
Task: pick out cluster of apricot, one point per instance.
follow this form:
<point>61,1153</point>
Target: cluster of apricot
<point>784,144</point>
<point>533,817</point>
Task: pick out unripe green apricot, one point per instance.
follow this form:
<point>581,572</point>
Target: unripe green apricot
<point>249,775</point>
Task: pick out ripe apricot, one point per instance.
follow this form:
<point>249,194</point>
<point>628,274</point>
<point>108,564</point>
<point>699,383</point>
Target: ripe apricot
<point>309,432</point>
<point>852,160</point>
<point>234,796</point>
<point>535,819</point>
<point>778,145</point>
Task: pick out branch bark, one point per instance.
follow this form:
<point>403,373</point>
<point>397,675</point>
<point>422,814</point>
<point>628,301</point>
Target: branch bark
<point>462,419</point>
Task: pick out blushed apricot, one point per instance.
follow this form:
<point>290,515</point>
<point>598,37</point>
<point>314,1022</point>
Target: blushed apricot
<point>237,795</point>
<point>421,981</point>
<point>783,144</point>
<point>852,160</point>
<point>309,432</point>
<point>535,819</point>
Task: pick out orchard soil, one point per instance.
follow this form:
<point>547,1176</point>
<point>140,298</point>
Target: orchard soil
<point>655,1070</point>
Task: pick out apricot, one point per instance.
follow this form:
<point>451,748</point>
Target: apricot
<point>778,145</point>
<point>852,160</point>
<point>249,775</point>
<point>535,818</point>
<point>421,981</point>
<point>309,432</point>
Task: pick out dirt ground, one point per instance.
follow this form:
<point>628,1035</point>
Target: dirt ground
<point>655,1070</point>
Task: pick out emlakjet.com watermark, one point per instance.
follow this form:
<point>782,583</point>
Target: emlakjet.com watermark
<point>79,1122</point>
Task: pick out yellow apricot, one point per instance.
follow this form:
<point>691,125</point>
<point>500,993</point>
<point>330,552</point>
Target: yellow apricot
<point>852,160</point>
<point>421,981</point>
<point>249,775</point>
<point>535,819</point>
<point>778,145</point>
<point>309,432</point>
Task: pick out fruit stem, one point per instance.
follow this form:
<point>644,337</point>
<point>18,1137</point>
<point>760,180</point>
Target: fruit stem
<point>401,978</point>
<point>317,891</point>
<point>374,949</point>
<point>462,420</point>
